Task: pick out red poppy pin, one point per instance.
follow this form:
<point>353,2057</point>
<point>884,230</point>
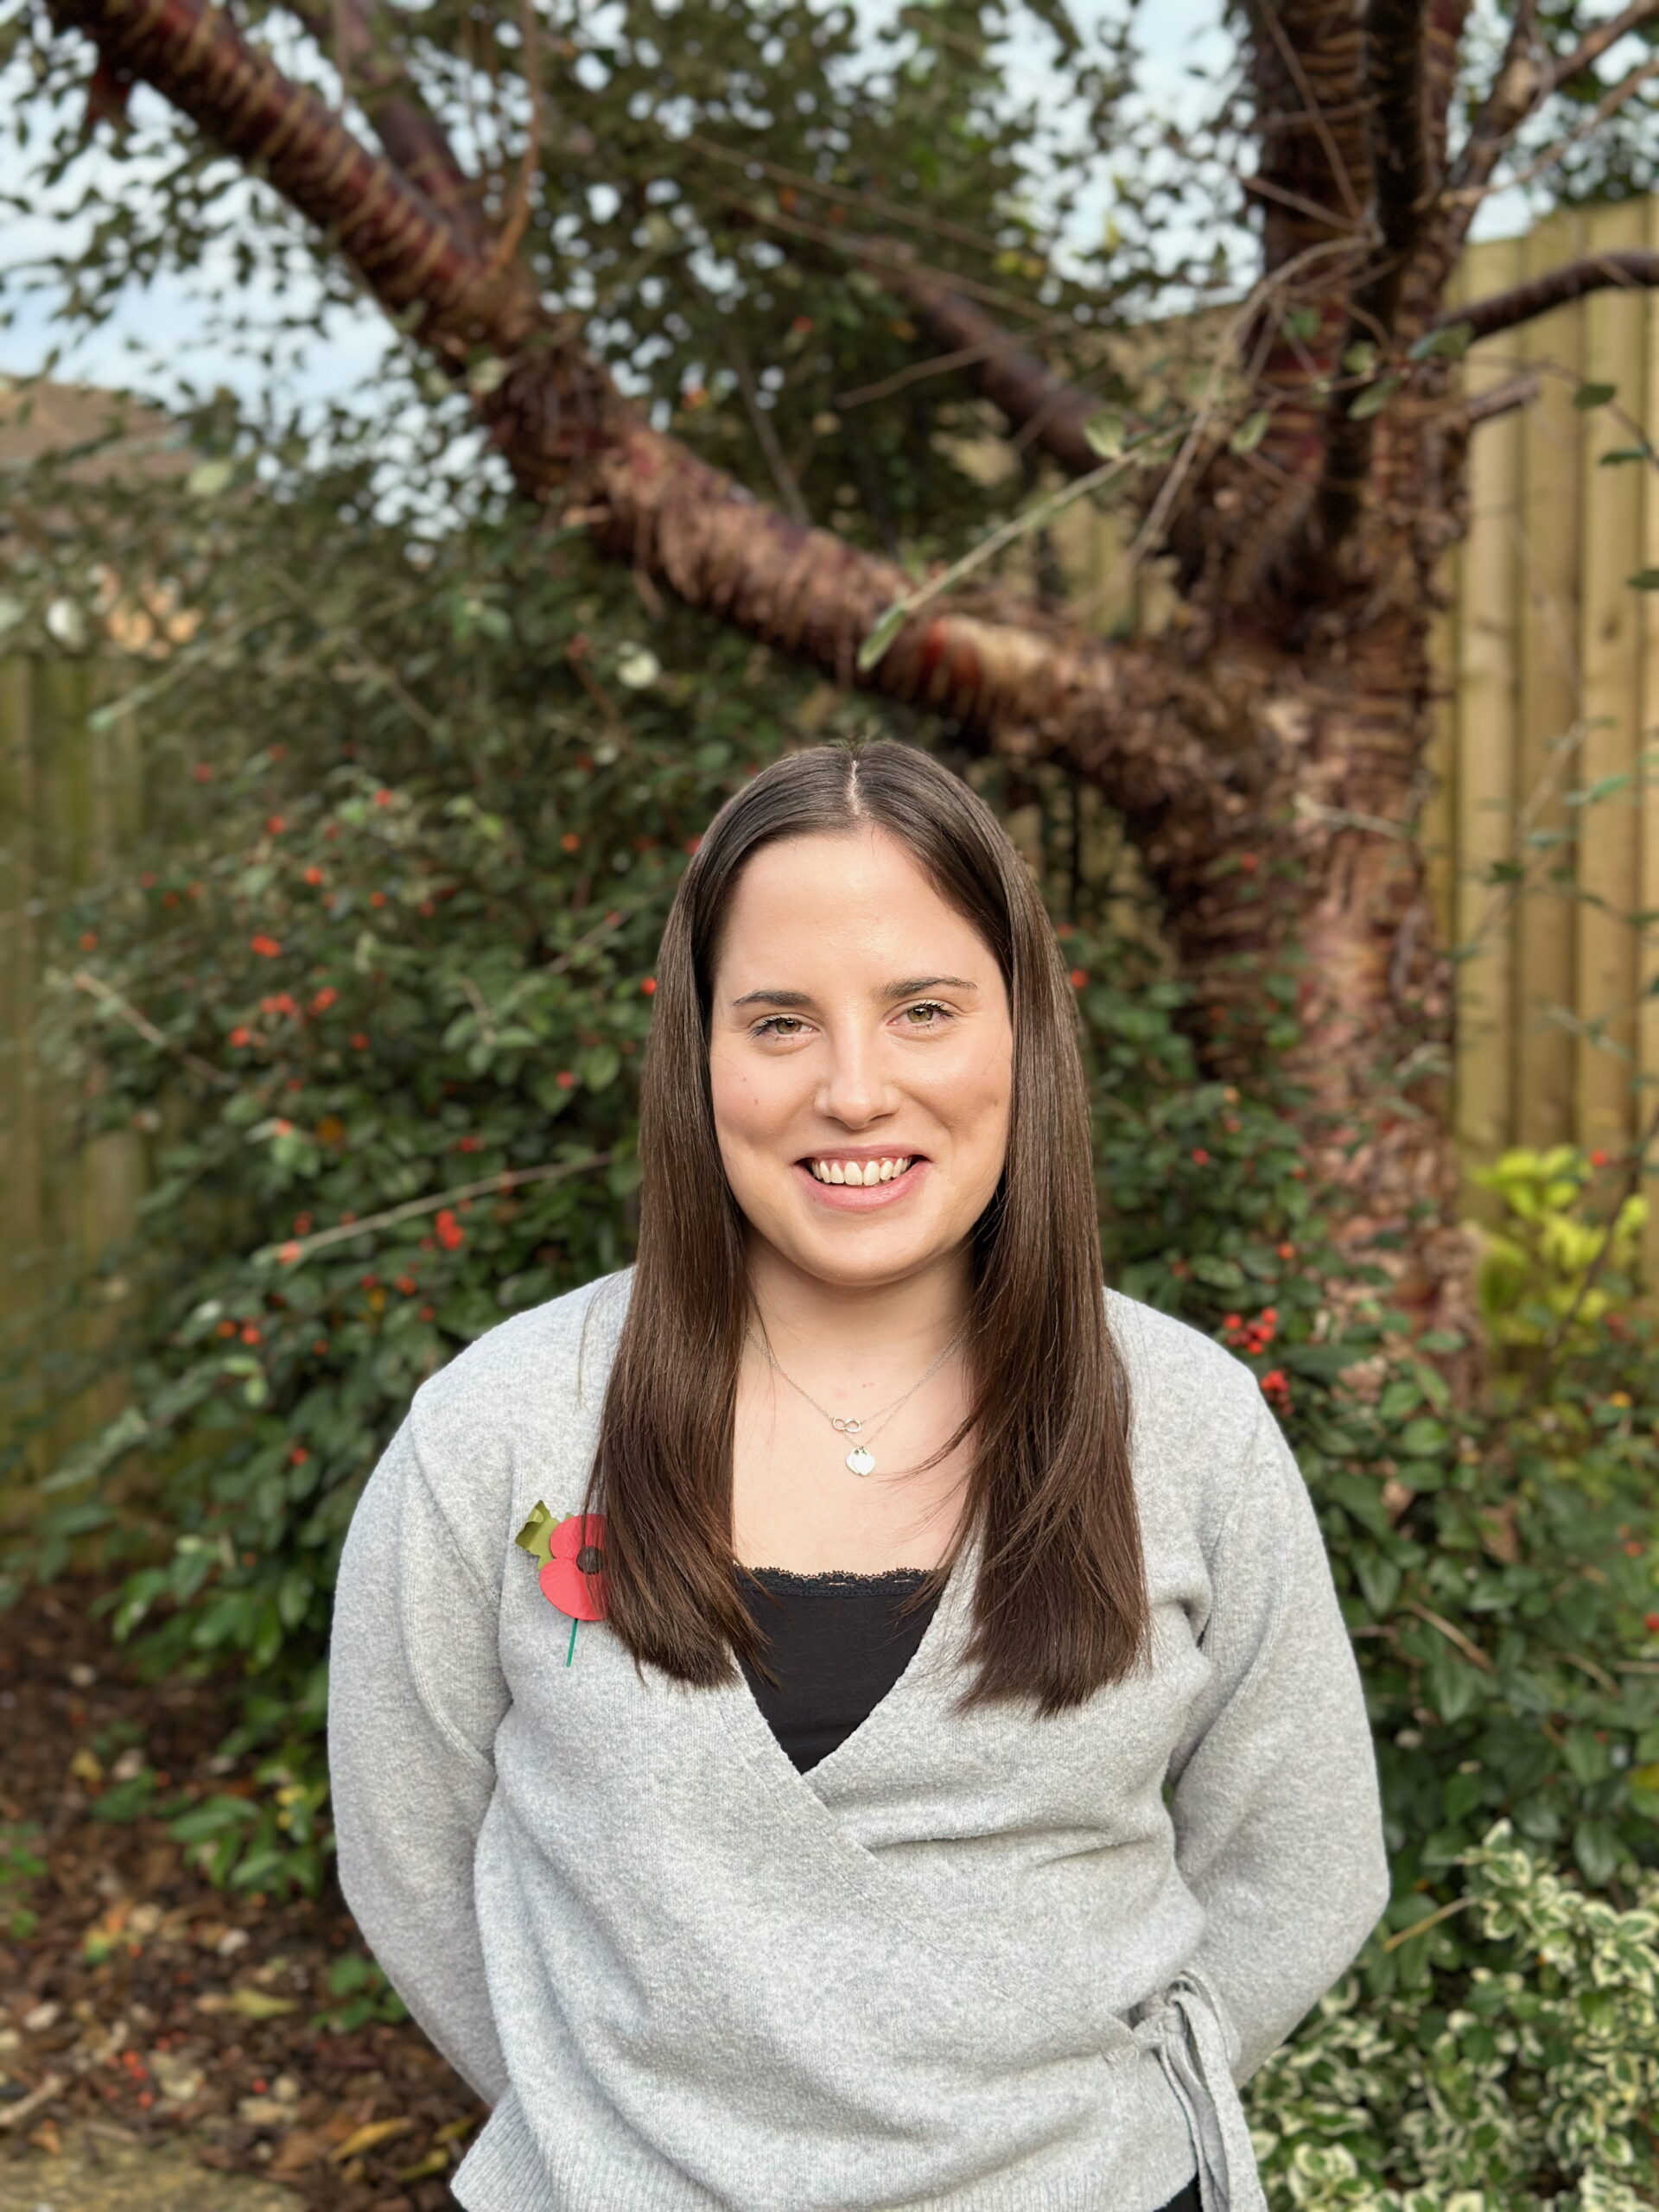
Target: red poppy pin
<point>570,1553</point>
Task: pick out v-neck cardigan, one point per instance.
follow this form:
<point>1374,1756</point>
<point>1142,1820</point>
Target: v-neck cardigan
<point>979,1962</point>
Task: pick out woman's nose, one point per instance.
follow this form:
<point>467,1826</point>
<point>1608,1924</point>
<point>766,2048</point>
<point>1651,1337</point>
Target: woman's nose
<point>854,1088</point>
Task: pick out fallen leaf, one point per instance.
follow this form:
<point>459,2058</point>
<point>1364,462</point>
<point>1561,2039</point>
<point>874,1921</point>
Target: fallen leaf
<point>301,2148</point>
<point>365,2138</point>
<point>263,2112</point>
<point>453,2129</point>
<point>46,2137</point>
<point>435,2162</point>
<point>258,2005</point>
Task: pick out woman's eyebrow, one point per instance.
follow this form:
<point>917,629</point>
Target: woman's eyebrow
<point>773,998</point>
<point>928,984</point>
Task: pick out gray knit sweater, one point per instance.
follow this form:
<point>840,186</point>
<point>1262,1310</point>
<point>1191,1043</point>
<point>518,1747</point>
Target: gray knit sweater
<point>986,1963</point>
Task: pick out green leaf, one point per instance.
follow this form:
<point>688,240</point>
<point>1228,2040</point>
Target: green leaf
<point>1303,322</point>
<point>1105,433</point>
<point>258,2004</point>
<point>1250,432</point>
<point>1644,580</point>
<point>535,1535</point>
<point>485,376</point>
<point>1618,454</point>
<point>1595,1845</point>
<point>1374,398</point>
<point>1362,1498</point>
<point>1449,343</point>
<point>1360,359</point>
<point>1422,1438</point>
<point>1399,1398</point>
<point>1379,1579</point>
<point>208,478</point>
<point>599,1067</point>
<point>881,636</point>
<point>1593,395</point>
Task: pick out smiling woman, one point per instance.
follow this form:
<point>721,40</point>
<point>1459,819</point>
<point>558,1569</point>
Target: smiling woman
<point>964,1782</point>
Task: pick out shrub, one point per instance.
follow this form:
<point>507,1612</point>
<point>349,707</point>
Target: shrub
<point>1535,2082</point>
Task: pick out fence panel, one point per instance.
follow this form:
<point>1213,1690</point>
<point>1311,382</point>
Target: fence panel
<point>1550,661</point>
<point>71,799</point>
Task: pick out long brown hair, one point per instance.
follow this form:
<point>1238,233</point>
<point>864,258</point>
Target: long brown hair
<point>1060,1607</point>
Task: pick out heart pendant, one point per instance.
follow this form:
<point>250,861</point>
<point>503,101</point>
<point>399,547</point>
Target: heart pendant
<point>861,1461</point>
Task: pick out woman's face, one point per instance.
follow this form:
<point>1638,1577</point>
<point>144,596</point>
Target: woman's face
<point>859,1027</point>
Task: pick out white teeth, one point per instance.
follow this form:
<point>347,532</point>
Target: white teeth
<point>863,1174</point>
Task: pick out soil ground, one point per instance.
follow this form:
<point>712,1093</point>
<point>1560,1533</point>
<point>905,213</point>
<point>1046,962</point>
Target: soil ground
<point>164,2044</point>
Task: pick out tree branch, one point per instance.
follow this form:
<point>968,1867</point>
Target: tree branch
<point>414,140</point>
<point>1597,41</point>
<point>1633,269</point>
<point>1008,675</point>
<point>1527,74</point>
<point>1036,401</point>
<point>1502,399</point>
<point>1607,107</point>
<point>405,249</point>
<point>1402,183</point>
<point>1524,74</point>
<point>1306,72</point>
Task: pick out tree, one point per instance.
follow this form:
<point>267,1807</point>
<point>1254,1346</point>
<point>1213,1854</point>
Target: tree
<point>1265,751</point>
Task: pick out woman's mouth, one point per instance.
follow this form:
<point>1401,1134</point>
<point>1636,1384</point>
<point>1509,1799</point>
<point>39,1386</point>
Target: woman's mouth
<point>859,1183</point>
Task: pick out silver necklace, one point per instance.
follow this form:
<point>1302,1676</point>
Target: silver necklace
<point>860,1460</point>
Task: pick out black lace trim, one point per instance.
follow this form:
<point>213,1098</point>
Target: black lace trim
<point>841,1578</point>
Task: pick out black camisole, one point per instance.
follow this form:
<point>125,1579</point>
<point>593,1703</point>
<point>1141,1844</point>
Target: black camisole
<point>837,1644</point>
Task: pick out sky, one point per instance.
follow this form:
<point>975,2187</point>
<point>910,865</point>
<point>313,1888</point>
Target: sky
<point>1181,41</point>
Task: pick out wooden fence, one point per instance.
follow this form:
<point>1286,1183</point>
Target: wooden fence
<point>1550,660</point>
<point>71,797</point>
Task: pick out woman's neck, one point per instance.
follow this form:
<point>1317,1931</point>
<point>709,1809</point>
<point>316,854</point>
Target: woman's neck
<point>880,1324</point>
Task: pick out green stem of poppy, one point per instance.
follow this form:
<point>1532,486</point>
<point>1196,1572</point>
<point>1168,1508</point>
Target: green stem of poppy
<point>570,1652</point>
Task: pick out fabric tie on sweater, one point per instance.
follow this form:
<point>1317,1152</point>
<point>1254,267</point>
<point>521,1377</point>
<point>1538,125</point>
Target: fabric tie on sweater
<point>1182,2026</point>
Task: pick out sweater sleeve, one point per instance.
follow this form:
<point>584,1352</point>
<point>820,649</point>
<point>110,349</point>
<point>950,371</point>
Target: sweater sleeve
<point>416,1694</point>
<point>1278,1819</point>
